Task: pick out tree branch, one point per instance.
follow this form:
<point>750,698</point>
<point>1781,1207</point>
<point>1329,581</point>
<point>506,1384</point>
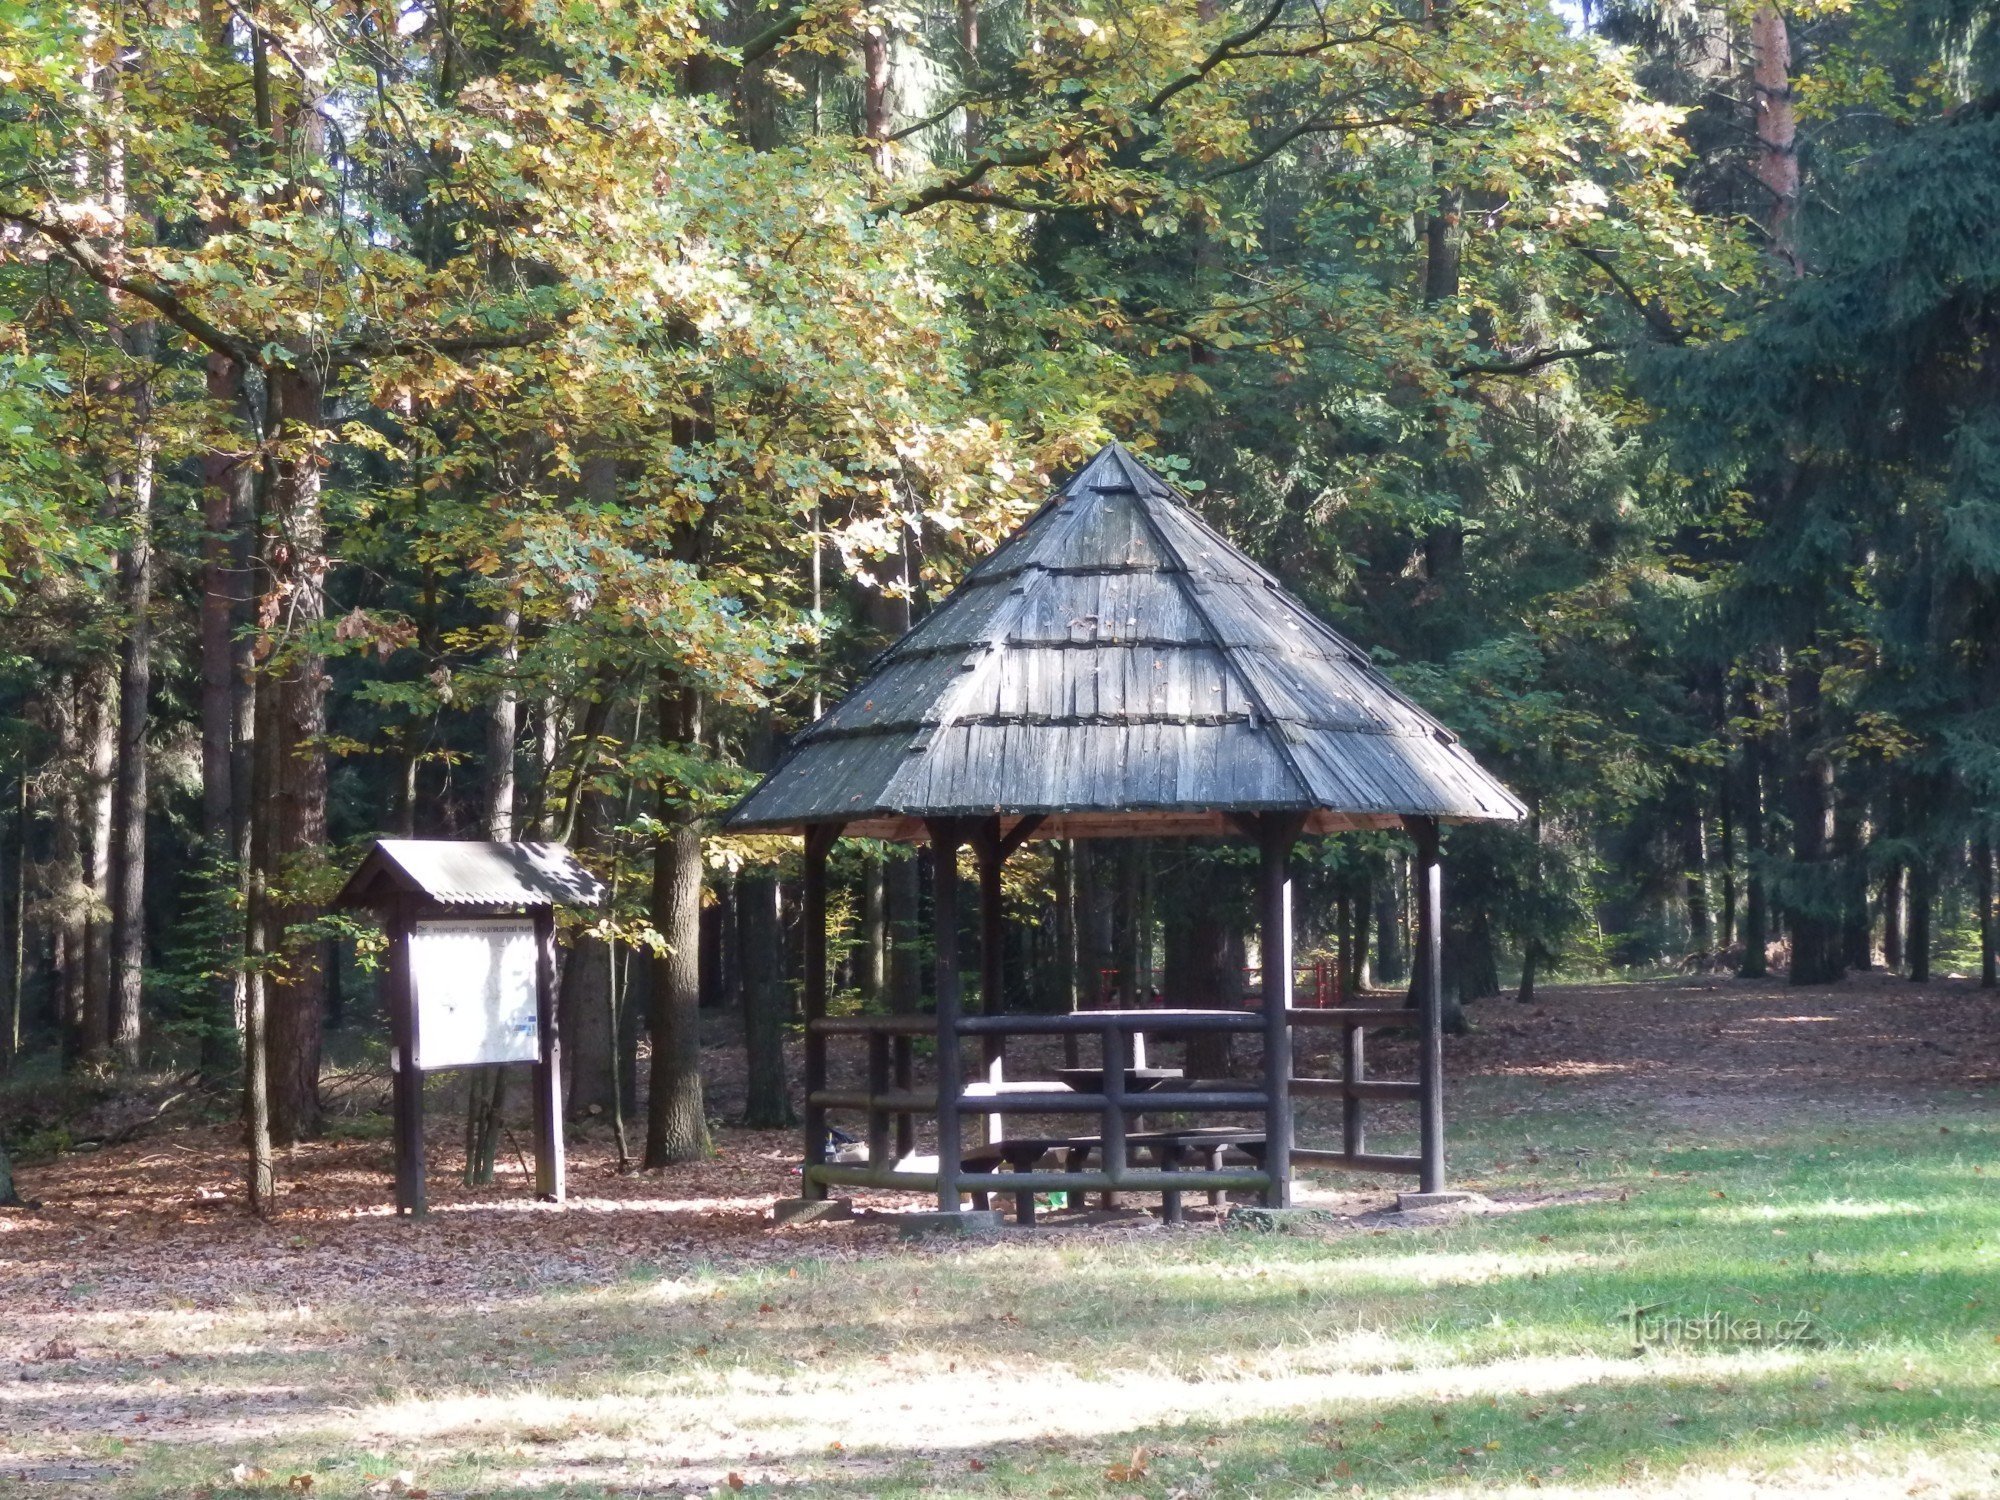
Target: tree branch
<point>81,254</point>
<point>1315,126</point>
<point>773,36</point>
<point>358,351</point>
<point>1218,56</point>
<point>1657,318</point>
<point>954,187</point>
<point>1533,360</point>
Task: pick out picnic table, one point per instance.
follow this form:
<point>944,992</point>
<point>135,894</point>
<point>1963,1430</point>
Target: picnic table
<point>1137,1080</point>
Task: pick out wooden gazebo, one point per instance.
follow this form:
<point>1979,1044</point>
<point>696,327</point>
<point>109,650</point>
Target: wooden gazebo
<point>1116,669</point>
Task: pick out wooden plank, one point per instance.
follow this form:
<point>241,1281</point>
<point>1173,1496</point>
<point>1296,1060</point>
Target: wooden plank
<point>1130,1020</point>
<point>1131,1180</point>
<point>843,1174</point>
<point>1384,1088</point>
<point>1157,1101</point>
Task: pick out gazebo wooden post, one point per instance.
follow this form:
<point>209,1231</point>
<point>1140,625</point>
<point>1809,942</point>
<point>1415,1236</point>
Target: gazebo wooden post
<point>812,918</point>
<point>1277,832</point>
<point>407,1084</point>
<point>946,834</point>
<point>1428,874</point>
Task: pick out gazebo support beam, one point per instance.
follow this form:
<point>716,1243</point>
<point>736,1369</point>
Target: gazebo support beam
<point>1428,877</point>
<point>1276,833</point>
<point>946,835</point>
<point>812,917</point>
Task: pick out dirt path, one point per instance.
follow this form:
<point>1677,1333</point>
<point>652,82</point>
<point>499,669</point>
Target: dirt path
<point>1747,1050</point>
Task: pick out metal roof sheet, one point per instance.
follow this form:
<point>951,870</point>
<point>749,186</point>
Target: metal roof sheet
<point>1116,666</point>
<point>465,872</point>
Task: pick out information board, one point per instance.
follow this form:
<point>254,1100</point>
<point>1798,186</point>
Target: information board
<point>475,992</point>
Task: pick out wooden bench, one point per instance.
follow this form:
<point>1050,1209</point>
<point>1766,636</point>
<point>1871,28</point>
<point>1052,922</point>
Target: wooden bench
<point>1171,1151</point>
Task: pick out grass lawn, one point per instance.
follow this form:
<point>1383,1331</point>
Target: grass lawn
<point>1475,1354</point>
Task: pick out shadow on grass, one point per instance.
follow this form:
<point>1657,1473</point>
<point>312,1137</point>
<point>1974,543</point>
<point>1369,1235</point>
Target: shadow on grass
<point>1599,1432</point>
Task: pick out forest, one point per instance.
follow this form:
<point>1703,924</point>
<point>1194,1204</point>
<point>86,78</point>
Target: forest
<point>512,419</point>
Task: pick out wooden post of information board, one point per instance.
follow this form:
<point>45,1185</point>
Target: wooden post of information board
<point>408,1082</point>
<point>551,1171</point>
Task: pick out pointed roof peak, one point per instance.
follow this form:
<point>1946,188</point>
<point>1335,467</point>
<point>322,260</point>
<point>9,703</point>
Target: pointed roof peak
<point>1115,468</point>
<point>1118,666</point>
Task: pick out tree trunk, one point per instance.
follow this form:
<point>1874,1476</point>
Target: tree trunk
<point>228,678</point>
<point>969,70</point>
<point>486,1097</point>
<point>1204,971</point>
<point>1815,912</point>
<point>871,963</point>
<point>135,684</point>
<point>1756,908</point>
<point>1389,927</point>
<point>1530,962</point>
<point>1444,246</point>
<point>257,952</point>
<point>877,61</point>
<point>99,723</point>
<point>13,931</point>
<point>1726,858</point>
<point>1857,927</point>
<point>227,648</point>
<point>1923,897</point>
<point>589,1047</point>
<point>1065,996</point>
<point>767,1103</point>
<point>1892,918</point>
<point>902,890</point>
<point>676,1115</point>
<point>1354,980</point>
<point>10,1197</point>
<point>1776,162</point>
<point>290,805</point>
<point>1694,862</point>
<point>69,895</point>
<point>1989,920</point>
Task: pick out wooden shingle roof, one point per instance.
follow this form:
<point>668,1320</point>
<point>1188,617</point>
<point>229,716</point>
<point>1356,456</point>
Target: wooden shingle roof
<point>1118,668</point>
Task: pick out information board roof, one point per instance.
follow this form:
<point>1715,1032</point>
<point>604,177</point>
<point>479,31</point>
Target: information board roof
<point>469,873</point>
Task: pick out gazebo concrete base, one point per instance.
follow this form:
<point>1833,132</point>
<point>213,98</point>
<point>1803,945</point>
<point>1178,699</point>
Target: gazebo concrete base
<point>806,1210</point>
<point>1407,1201</point>
<point>969,1223</point>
